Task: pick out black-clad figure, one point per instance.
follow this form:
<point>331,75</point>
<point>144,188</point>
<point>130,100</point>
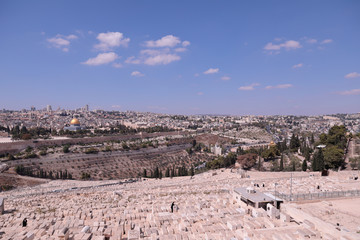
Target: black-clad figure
<point>24,223</point>
<point>172,207</point>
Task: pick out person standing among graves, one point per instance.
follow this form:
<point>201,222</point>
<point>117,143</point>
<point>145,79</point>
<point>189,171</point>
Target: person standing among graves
<point>172,207</point>
<point>24,223</point>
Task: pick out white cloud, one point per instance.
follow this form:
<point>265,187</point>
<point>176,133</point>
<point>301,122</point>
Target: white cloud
<point>111,40</point>
<point>164,54</point>
<point>180,49</point>
<point>291,44</point>
<point>196,75</point>
<point>137,74</point>
<point>153,52</point>
<point>161,59</point>
<point>211,71</point>
<point>167,41</point>
<point>117,65</point>
<point>154,57</point>
<point>132,60</point>
<point>311,40</point>
<point>225,78</point>
<point>352,75</point>
<point>62,42</point>
<point>185,43</point>
<point>271,46</point>
<point>58,42</point>
<point>72,36</point>
<point>200,93</point>
<point>297,65</point>
<point>288,45</point>
<point>281,86</point>
<point>351,92</point>
<point>102,58</point>
<point>326,41</point>
<point>249,88</point>
<point>116,106</point>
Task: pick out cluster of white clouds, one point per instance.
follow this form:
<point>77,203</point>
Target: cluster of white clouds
<point>62,42</point>
<point>249,87</point>
<point>288,45</point>
<point>111,40</point>
<point>352,75</point>
<point>352,91</point>
<point>160,52</point>
<point>107,43</point>
<point>279,44</point>
<point>252,87</point>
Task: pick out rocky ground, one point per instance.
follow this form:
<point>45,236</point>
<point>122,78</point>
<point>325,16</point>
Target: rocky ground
<point>204,208</point>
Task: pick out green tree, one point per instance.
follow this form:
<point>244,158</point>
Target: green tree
<point>318,161</point>
<point>312,139</point>
<point>355,163</point>
<point>284,145</point>
<point>293,166</point>
<point>259,163</point>
<point>156,173</point>
<point>274,166</point>
<point>85,176</point>
<point>66,148</point>
<point>333,156</point>
<point>337,136</point>
<point>125,146</point>
<point>167,172</point>
<point>240,151</point>
<point>191,171</point>
<point>281,168</point>
<point>271,153</point>
<point>294,143</point>
<point>304,165</point>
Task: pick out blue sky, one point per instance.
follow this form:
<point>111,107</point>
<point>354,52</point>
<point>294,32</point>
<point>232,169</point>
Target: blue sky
<point>182,57</point>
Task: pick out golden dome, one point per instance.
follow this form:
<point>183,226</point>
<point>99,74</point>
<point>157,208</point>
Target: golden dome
<point>75,121</point>
<point>272,143</point>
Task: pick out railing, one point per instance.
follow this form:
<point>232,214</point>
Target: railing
<point>318,195</point>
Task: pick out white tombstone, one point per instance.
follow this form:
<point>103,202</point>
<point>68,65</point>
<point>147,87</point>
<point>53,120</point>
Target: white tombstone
<point>272,211</point>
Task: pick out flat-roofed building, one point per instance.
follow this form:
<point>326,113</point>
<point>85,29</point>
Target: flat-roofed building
<point>254,198</point>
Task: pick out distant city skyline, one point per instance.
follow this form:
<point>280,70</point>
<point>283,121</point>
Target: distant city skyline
<point>188,57</point>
